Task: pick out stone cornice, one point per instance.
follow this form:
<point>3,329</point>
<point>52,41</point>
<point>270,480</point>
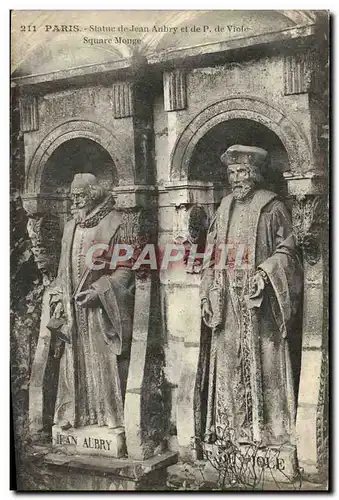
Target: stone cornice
<point>73,72</point>
<point>234,44</point>
<point>74,76</point>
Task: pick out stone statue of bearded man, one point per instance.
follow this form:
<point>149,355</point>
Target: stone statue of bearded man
<point>96,307</point>
<point>250,297</point>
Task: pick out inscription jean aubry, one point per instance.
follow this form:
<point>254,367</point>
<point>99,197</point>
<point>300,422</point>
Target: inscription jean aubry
<point>89,442</point>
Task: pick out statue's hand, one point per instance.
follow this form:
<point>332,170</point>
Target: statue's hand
<point>206,311</point>
<point>86,298</point>
<point>257,285</point>
<point>58,311</point>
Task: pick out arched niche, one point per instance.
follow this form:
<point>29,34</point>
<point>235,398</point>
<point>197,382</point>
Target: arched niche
<point>51,200</point>
<point>76,129</point>
<point>197,169</point>
<point>205,164</point>
<point>241,108</point>
<point>74,156</point>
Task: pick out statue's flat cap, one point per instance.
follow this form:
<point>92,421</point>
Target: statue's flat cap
<point>84,180</point>
<point>249,155</point>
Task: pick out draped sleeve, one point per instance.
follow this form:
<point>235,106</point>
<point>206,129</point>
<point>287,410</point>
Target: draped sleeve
<point>208,270</point>
<point>283,267</point>
<point>116,291</point>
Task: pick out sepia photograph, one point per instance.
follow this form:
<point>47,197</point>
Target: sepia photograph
<point>169,250</point>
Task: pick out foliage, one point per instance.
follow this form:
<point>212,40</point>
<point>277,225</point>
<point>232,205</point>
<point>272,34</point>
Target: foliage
<point>230,466</point>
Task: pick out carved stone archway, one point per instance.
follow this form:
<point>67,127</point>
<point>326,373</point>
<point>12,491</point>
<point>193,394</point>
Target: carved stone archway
<point>75,129</point>
<point>242,107</point>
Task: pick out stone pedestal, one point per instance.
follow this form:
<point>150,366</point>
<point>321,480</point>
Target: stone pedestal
<point>199,476</point>
<point>90,440</point>
<point>94,473</point>
<point>252,465</point>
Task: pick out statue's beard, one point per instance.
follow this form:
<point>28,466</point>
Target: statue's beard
<point>80,214</point>
<point>241,191</point>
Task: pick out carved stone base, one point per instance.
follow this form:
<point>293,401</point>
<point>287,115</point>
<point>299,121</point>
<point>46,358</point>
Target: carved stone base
<point>198,476</point>
<point>85,473</point>
<point>252,465</point>
<point>90,440</point>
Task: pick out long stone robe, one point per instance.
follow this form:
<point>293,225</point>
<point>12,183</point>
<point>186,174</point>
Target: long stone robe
<point>251,388</point>
<point>94,366</point>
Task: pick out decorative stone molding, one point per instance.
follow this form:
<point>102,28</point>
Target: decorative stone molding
<point>242,107</point>
<point>74,129</point>
<point>297,73</point>
<point>105,475</point>
<point>300,185</point>
<point>179,192</point>
<point>123,99</point>
<point>308,220</point>
<point>139,228</point>
<point>41,203</point>
<point>134,195</point>
<point>29,113</point>
<point>175,93</point>
<point>190,228</point>
<point>307,213</point>
<point>191,223</point>
<point>190,205</point>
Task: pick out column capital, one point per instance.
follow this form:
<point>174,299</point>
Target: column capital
<point>186,192</point>
<point>135,196</point>
<point>301,185</point>
<point>308,223</point>
<point>40,203</point>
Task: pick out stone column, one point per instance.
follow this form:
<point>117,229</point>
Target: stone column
<point>308,222</point>
<point>139,204</point>
<point>44,231</point>
<point>185,208</point>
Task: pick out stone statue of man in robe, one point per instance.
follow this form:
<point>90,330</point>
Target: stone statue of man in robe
<point>97,309</point>
<point>250,297</point>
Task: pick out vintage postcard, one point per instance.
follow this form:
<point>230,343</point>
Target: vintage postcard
<point>169,250</point>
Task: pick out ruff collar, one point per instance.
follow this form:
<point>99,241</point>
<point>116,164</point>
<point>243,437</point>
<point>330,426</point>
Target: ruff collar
<point>99,212</point>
